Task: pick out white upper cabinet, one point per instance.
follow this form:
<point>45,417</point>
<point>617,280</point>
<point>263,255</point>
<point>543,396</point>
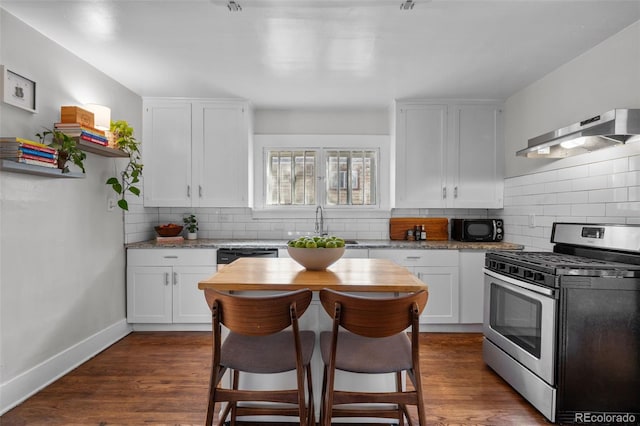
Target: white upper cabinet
<point>476,176</point>
<point>448,155</point>
<point>166,153</point>
<point>421,135</point>
<point>213,163</point>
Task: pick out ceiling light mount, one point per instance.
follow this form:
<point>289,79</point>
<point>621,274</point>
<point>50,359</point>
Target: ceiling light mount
<point>407,5</point>
<point>234,6</point>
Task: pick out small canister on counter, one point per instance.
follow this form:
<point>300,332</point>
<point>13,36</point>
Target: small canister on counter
<point>410,236</point>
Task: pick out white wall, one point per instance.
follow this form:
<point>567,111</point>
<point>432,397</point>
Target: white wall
<point>62,272</point>
<point>321,122</point>
<point>603,186</point>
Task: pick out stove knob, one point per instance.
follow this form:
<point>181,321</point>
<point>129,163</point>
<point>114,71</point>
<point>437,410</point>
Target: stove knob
<point>538,277</point>
<point>513,269</point>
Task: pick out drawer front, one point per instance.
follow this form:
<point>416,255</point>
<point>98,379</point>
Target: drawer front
<point>171,257</point>
<point>417,257</point>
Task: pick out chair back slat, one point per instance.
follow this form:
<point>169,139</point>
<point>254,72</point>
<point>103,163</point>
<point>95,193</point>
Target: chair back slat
<point>259,315</point>
<point>374,317</point>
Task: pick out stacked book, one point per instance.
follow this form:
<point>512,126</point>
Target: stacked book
<point>85,133</point>
<point>28,152</point>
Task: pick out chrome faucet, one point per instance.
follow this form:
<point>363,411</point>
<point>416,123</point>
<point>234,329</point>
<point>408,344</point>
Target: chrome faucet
<point>319,223</point>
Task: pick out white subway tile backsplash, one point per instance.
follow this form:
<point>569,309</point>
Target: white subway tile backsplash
<point>605,219</point>
<point>588,209</point>
<point>558,186</point>
<point>630,209</point>
<point>591,182</point>
<point>602,192</point>
<point>576,172</point>
<point>618,180</point>
<point>601,168</point>
<point>608,195</point>
<point>634,162</point>
<point>557,210</point>
<point>633,178</point>
<point>549,176</point>
<point>573,197</point>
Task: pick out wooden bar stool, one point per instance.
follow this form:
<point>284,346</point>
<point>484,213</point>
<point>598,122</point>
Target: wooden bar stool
<point>369,337</point>
<point>258,343</point>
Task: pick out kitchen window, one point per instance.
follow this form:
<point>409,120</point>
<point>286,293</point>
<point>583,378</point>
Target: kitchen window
<point>299,172</point>
<point>295,178</point>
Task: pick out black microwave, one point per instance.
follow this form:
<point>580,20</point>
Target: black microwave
<point>477,229</point>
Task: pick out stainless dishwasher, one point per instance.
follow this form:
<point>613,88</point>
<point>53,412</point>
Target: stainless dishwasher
<point>228,255</point>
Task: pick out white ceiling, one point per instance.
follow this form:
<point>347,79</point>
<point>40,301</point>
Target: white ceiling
<point>319,53</point>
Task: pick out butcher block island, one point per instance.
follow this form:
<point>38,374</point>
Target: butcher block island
<point>367,277</point>
<point>284,274</point>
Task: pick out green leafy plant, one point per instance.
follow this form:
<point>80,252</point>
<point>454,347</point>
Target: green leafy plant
<point>191,223</point>
<point>130,176</point>
<point>67,147</point>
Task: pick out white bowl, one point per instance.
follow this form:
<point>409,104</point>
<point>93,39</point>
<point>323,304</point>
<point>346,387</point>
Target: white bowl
<point>316,259</point>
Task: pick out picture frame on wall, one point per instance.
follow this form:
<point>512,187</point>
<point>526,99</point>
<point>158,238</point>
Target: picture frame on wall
<point>18,90</point>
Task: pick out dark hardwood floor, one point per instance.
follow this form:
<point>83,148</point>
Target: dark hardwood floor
<point>162,379</point>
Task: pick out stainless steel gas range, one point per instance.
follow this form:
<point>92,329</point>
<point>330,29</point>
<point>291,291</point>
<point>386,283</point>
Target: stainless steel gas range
<point>563,327</point>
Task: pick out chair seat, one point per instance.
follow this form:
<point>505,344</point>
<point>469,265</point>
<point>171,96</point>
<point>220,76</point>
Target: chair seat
<point>269,354</point>
<point>359,354</point>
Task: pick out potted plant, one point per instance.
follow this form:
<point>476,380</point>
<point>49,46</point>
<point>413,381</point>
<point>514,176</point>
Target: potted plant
<point>191,224</point>
<point>67,147</point>
<point>124,140</point>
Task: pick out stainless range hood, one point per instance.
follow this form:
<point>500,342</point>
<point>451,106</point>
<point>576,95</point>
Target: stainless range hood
<point>614,127</point>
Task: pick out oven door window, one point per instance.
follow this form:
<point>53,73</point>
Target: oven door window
<point>517,317</point>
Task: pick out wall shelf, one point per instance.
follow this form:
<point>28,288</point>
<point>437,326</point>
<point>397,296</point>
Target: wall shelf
<point>100,150</point>
<point>12,166</point>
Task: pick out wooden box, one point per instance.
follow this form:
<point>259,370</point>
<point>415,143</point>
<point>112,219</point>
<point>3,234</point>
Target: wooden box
<point>74,114</point>
<point>437,227</point>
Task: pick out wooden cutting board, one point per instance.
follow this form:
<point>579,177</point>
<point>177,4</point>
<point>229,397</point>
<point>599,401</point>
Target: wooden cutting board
<point>437,227</point>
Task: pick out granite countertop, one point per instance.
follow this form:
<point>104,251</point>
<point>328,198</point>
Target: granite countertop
<point>362,244</point>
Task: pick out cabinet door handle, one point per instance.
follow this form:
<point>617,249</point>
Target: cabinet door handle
<point>170,257</point>
<point>188,191</point>
<point>175,278</point>
<point>455,192</point>
<point>200,191</point>
<point>444,192</point>
<point>166,278</point>
<point>413,257</point>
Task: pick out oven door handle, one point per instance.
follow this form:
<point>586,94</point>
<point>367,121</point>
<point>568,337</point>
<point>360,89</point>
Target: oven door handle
<point>522,284</point>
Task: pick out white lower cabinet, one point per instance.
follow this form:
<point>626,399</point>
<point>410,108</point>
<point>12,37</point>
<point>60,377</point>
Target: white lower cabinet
<point>471,286</point>
<point>162,285</point>
<point>439,270</point>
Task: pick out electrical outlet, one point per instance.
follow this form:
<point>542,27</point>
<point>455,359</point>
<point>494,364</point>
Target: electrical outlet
<point>111,204</point>
<point>532,220</point>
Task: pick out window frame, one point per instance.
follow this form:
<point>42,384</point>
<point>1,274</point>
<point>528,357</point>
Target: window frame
<point>264,143</point>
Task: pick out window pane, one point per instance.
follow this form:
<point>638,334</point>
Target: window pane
<point>351,177</point>
<point>291,177</point>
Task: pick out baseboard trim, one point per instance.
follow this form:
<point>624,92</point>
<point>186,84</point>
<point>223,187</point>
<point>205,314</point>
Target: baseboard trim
<point>171,327</point>
<point>21,387</point>
<point>451,328</point>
